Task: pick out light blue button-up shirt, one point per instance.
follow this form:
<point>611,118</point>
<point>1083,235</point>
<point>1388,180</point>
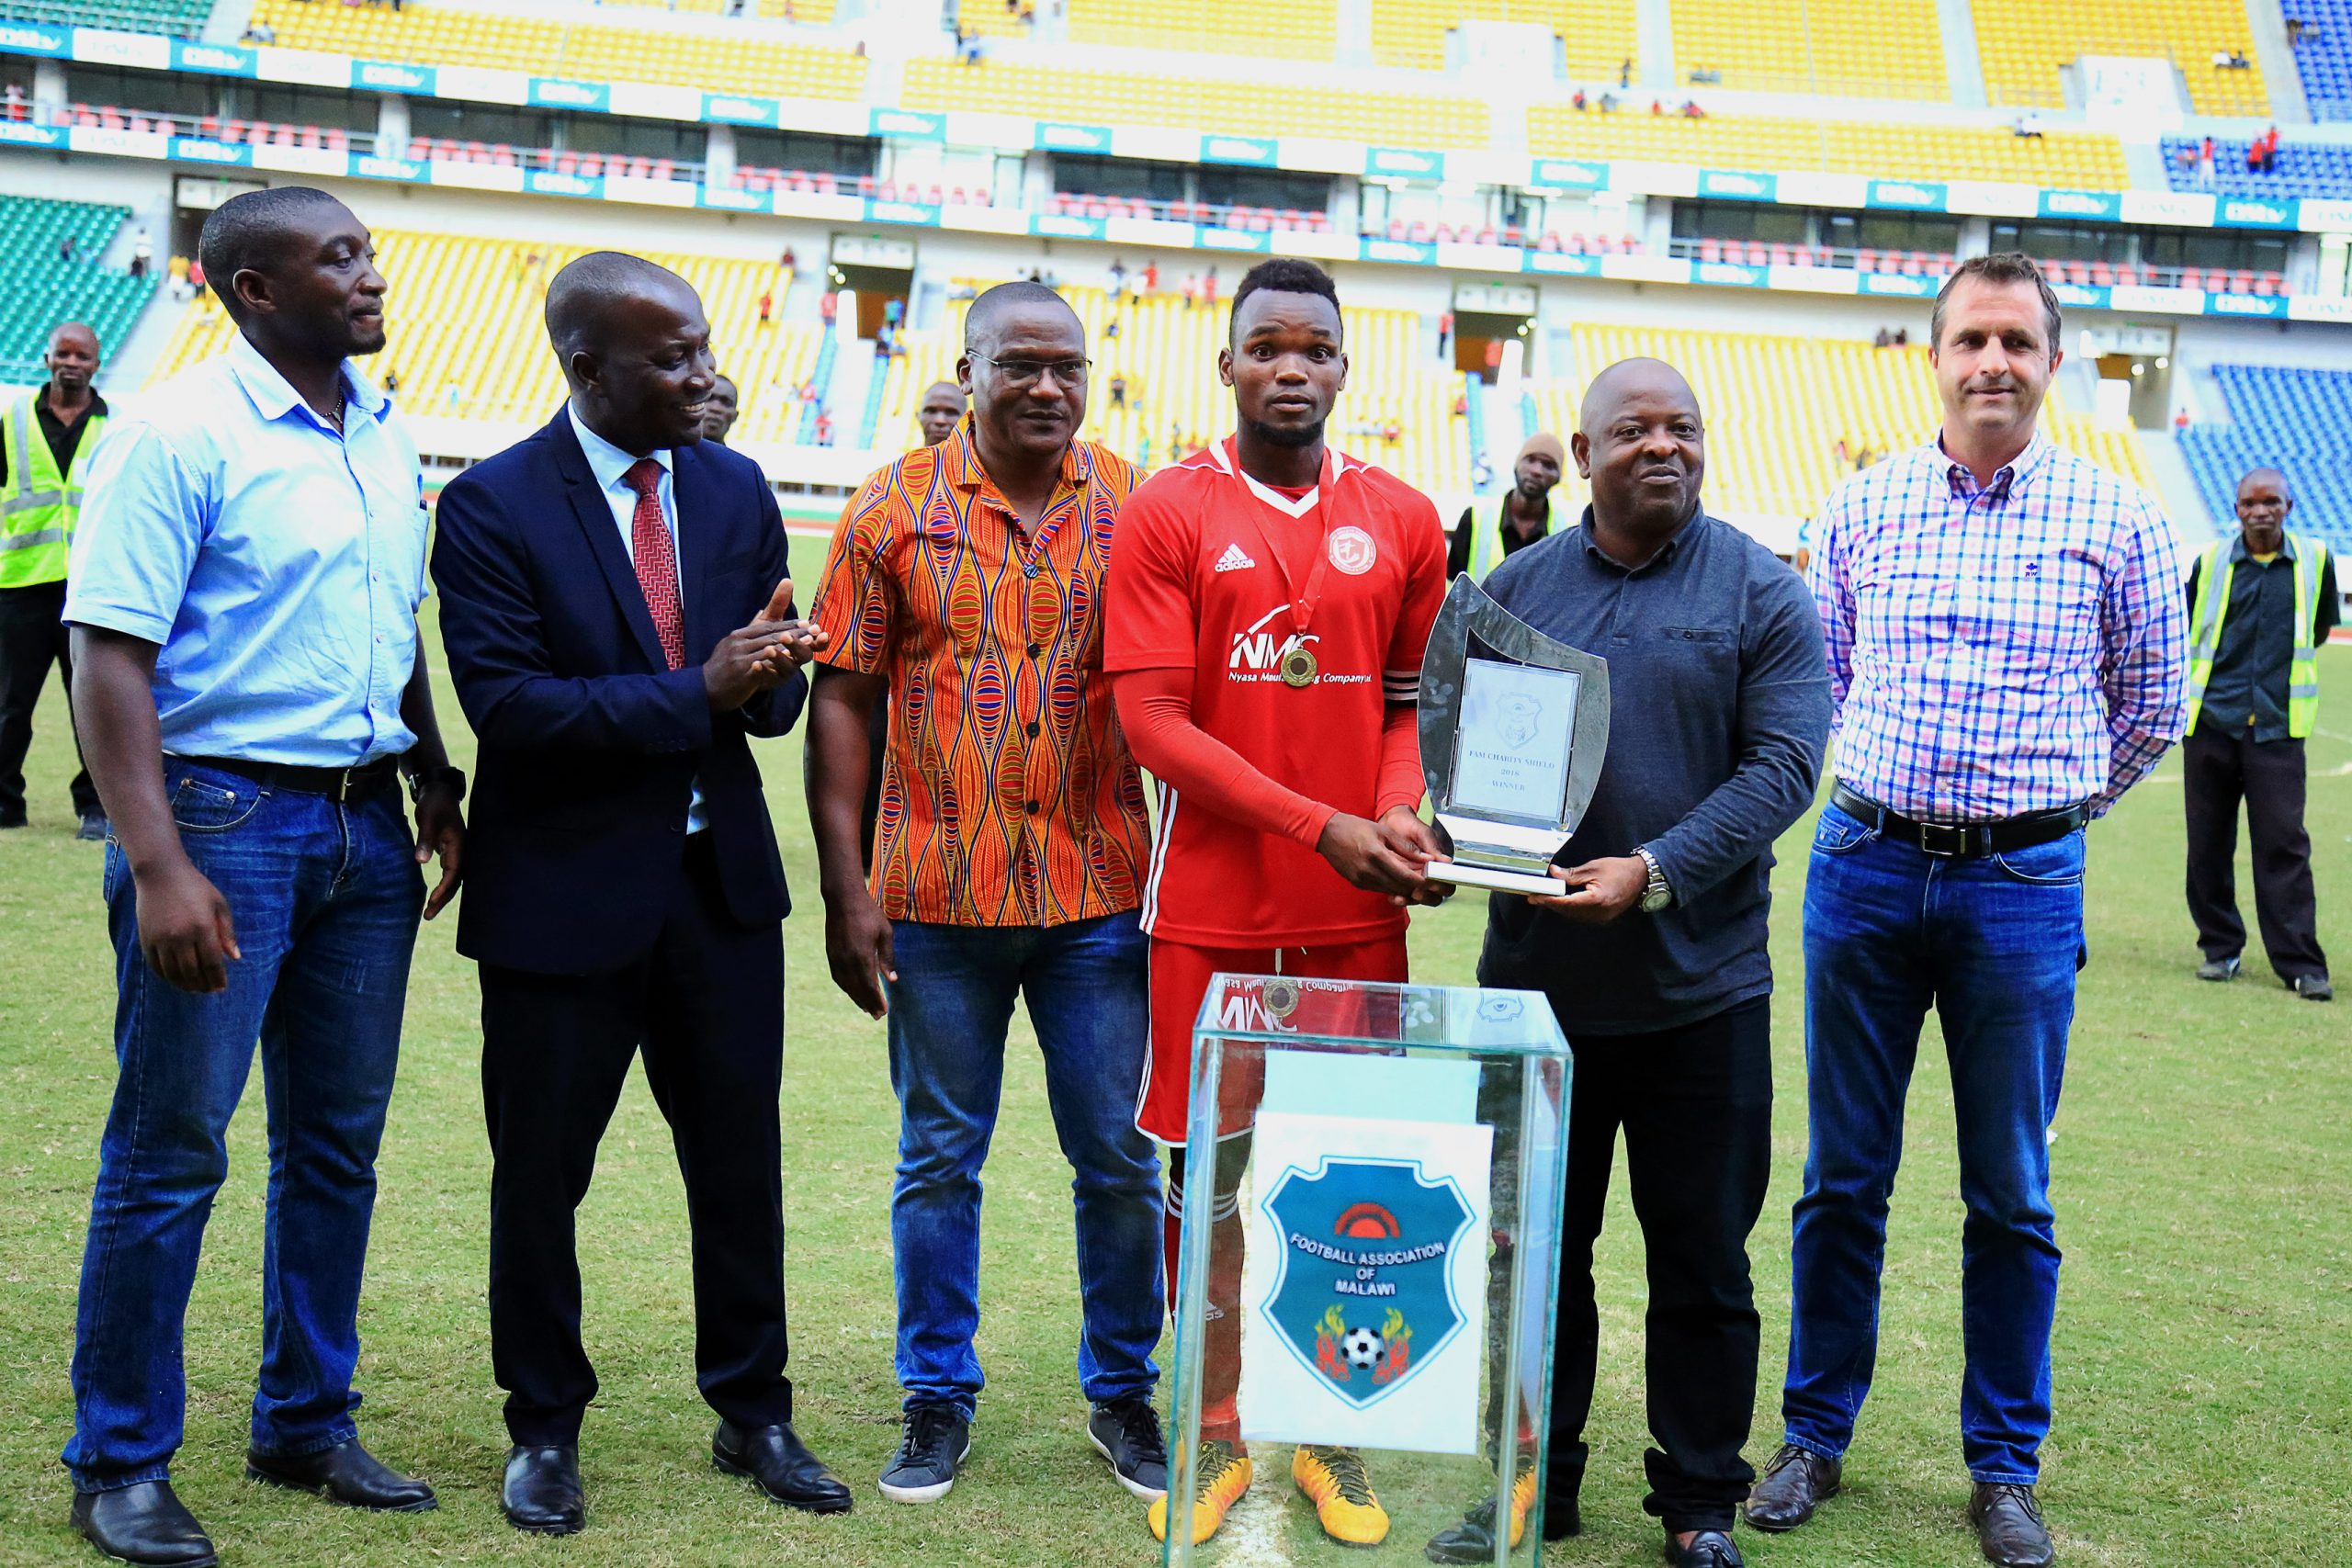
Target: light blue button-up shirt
<point>278,565</point>
<point>610,465</point>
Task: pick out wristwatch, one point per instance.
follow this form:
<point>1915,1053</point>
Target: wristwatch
<point>1656,894</point>
<point>425,778</point>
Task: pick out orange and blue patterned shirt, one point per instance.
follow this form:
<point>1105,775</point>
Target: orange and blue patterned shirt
<point>1008,795</point>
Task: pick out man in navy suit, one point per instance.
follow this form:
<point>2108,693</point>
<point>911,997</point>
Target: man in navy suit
<point>614,605</point>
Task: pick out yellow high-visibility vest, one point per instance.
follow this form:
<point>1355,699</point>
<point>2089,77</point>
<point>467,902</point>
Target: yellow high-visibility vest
<point>39,505</point>
<point>2308,557</point>
<point>1486,524</point>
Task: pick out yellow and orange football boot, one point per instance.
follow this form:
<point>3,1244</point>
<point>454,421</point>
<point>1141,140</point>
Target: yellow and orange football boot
<point>1220,1476</point>
<point>1334,1480</point>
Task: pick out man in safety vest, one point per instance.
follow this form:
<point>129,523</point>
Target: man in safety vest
<point>2260,605</point>
<point>1493,527</point>
<point>46,439</point>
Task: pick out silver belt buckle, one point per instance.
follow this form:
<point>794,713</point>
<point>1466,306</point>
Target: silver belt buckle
<point>1933,834</point>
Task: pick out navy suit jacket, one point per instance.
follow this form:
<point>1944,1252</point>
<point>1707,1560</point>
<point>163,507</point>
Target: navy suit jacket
<point>590,744</point>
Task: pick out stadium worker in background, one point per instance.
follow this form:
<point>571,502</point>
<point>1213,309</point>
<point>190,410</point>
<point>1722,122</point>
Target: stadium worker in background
<point>2260,605</point>
<point>1653,953</point>
<point>1269,600</point>
<point>617,615</point>
<point>720,410</point>
<point>243,599</point>
<point>2004,626</point>
<point>47,439</point>
<point>1008,867</point>
<point>943,409</point>
<point>1490,530</point>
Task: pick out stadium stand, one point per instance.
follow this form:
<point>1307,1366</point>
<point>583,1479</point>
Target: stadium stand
<point>1868,48</point>
<point>2024,43</point>
<point>1306,29</point>
<point>181,18</point>
<point>1240,108</point>
<point>2297,421</point>
<point>1595,39</point>
<point>1167,356</point>
<point>467,341</point>
<point>2321,32</point>
<point>814,12</point>
<point>1778,407</point>
<point>45,287</point>
<point>2304,168</point>
<point>2062,160</point>
<point>432,34</point>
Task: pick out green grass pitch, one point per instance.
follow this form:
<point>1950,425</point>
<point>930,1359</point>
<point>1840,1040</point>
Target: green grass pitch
<point>2204,1339</point>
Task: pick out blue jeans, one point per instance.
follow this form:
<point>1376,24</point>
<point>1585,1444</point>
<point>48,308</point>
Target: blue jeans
<point>1085,983</point>
<point>325,898</point>
<point>1994,945</point>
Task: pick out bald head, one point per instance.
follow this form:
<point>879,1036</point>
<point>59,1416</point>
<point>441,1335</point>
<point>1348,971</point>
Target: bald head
<point>997,309</point>
<point>1642,443</point>
<point>943,405</point>
<point>634,350</point>
<point>1629,380</point>
<point>72,358</point>
<point>2263,503</point>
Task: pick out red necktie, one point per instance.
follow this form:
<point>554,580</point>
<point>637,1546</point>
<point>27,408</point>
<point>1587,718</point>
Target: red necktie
<point>657,561</point>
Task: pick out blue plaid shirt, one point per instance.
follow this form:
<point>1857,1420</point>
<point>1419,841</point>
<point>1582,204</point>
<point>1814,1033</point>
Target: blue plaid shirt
<point>1998,649</point>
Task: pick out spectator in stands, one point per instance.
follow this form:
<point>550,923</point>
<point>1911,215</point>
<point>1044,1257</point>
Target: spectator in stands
<point>2179,420</point>
<point>2205,164</point>
<point>2260,606</point>
<point>824,425</point>
<point>829,305</point>
<point>1626,72</point>
<point>2027,124</point>
<point>1208,290</point>
<point>263,883</point>
<point>143,254</point>
<point>1490,532</point>
<point>12,102</point>
<point>720,410</point>
<point>196,275</point>
<point>1903,337</point>
<point>1192,289</point>
<point>1119,279</point>
<point>1577,100</point>
<point>1444,331</point>
<point>391,380</point>
<point>1150,279</point>
<point>1885,339</point>
<point>259,32</point>
<point>1947,871</point>
<point>65,248</point>
<point>47,438</point>
<point>767,307</point>
<point>1118,392</point>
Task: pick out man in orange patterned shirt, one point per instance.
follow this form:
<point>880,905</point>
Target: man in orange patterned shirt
<point>965,582</point>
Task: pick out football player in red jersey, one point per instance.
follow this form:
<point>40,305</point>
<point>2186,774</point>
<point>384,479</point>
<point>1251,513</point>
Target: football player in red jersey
<point>1266,606</point>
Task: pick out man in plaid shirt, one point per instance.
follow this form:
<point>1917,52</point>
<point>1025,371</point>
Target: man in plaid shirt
<point>2004,628</point>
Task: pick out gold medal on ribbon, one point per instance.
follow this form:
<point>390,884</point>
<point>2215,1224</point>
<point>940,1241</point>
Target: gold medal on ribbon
<point>1299,665</point>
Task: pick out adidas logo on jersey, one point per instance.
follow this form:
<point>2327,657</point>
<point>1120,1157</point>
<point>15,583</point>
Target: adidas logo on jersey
<point>1234,560</point>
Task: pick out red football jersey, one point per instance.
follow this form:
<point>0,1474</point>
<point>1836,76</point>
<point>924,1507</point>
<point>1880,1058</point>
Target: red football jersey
<point>1197,580</point>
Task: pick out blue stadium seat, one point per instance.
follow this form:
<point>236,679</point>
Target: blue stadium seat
<point>47,290</point>
<point>2305,168</point>
<point>2294,420</point>
<point>2324,55</point>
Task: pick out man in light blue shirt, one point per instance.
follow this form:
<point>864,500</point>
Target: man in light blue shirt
<point>242,599</point>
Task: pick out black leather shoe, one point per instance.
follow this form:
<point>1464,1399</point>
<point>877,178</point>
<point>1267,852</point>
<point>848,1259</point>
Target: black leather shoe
<point>780,1465</point>
<point>1708,1549</point>
<point>1797,1481</point>
<point>2009,1526</point>
<point>1561,1517</point>
<point>344,1474</point>
<point>145,1524</point>
<point>541,1492</point>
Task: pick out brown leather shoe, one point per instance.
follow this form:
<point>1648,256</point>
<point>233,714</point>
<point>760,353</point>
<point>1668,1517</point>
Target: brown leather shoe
<point>2009,1526</point>
<point>1797,1481</point>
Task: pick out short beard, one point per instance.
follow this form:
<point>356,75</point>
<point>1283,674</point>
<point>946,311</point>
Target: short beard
<point>1296,436</point>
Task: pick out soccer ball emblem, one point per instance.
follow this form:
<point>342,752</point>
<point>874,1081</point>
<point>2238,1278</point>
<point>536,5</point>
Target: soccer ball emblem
<point>1361,1347</point>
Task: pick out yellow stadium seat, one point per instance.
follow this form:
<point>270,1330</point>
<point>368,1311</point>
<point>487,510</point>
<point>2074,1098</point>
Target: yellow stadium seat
<point>2024,43</point>
<point>431,35</point>
<point>2062,160</point>
<point>1770,453</point>
<point>1871,48</point>
<point>1597,39</point>
<point>1305,30</point>
<point>465,336</point>
<point>1241,109</point>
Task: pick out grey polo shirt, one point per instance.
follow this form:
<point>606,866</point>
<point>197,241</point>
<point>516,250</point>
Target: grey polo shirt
<point>1719,715</point>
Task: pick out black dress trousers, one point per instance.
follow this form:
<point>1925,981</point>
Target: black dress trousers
<point>2219,770</point>
<point>706,1007</point>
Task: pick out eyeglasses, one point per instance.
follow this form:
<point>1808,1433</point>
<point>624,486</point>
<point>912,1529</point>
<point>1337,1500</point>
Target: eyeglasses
<point>1026,373</point>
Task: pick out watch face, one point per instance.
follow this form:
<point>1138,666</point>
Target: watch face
<point>1655,899</point>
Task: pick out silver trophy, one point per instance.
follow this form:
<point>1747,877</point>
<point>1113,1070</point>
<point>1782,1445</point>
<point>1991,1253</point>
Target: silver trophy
<point>1512,735</point>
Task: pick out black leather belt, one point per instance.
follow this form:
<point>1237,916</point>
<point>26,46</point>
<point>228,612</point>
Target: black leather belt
<point>1960,840</point>
<point>338,784</point>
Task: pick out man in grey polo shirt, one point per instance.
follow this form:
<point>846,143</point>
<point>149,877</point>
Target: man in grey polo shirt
<point>1653,955</point>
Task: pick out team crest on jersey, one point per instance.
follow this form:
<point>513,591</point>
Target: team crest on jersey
<point>1352,551</point>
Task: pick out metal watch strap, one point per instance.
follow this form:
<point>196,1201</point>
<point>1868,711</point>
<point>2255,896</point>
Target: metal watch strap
<point>1656,888</point>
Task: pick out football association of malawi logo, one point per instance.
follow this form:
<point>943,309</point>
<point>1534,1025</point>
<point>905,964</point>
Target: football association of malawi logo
<point>1366,1295</point>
